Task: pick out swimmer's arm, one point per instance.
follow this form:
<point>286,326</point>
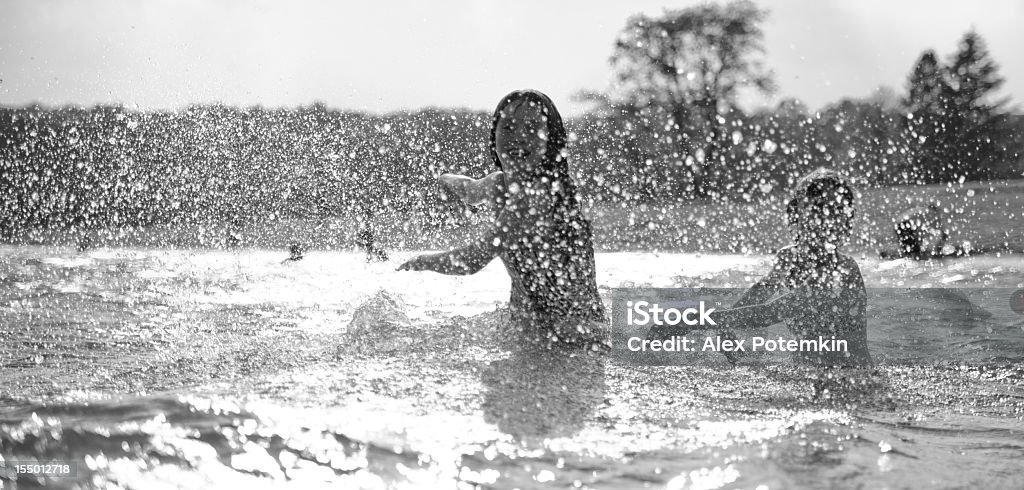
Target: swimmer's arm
<point>757,294</point>
<point>769,285</point>
<point>474,191</point>
<point>459,262</point>
<point>761,315</point>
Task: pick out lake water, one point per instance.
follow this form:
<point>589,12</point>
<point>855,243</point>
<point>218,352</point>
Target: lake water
<point>203,368</point>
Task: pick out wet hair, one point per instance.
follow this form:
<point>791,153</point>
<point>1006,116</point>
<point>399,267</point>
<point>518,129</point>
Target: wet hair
<point>555,128</point>
<point>555,165</point>
<point>820,187</point>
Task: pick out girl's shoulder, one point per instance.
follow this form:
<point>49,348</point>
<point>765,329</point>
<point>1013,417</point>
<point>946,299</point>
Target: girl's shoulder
<point>850,270</point>
<point>792,254</point>
<point>795,268</point>
<point>846,260</point>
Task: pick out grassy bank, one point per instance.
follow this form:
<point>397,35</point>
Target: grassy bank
<point>989,216</point>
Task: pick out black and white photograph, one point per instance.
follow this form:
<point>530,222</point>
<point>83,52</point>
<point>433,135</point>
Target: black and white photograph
<point>470,244</point>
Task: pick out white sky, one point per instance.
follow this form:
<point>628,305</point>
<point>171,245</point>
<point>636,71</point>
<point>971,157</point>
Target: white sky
<point>388,55</point>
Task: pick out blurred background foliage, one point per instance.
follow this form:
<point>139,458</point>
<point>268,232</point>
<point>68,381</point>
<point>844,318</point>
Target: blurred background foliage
<point>669,130</point>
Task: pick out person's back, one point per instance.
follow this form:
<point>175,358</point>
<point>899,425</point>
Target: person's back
<point>554,284</point>
<point>829,300</point>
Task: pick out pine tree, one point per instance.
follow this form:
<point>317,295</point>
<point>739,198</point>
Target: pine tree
<point>924,125</point>
<point>975,121</point>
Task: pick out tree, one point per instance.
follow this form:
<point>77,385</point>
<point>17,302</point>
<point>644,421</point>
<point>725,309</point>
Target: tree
<point>976,122</point>
<point>955,127</point>
<point>924,125</point>
<point>857,138</point>
<point>694,62</point>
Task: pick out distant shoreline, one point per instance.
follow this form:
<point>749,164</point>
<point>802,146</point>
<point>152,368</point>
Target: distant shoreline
<point>990,216</point>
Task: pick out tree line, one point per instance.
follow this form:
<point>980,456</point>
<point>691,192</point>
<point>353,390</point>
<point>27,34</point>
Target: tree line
<point>678,77</point>
<point>669,130</point>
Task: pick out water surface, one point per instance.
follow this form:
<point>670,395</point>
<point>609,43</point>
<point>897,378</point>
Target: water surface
<point>203,368</point>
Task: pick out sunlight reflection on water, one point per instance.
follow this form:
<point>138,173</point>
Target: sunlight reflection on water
<point>255,382</point>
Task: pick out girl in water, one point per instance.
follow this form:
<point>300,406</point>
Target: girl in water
<point>540,233</point>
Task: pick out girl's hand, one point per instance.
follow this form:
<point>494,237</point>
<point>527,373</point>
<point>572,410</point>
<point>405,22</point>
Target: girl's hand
<point>452,187</point>
<point>416,263</point>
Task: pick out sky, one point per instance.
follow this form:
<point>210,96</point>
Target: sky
<point>386,55</point>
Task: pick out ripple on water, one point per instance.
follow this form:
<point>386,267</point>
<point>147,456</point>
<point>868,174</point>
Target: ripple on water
<point>206,368</point>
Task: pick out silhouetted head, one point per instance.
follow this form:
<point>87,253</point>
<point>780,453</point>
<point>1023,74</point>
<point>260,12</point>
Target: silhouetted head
<point>822,209</point>
<point>528,142</point>
<point>365,238</point>
<point>296,251</point>
<point>922,230</point>
<point>528,118</point>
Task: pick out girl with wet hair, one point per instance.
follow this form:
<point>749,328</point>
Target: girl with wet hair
<point>492,188</point>
<point>539,233</point>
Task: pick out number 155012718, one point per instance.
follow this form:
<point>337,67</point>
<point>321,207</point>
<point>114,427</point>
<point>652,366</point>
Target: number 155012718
<point>14,469</point>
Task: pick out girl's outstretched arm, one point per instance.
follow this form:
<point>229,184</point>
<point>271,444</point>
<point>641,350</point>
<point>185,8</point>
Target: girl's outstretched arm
<point>761,315</point>
<point>756,316</point>
<point>474,191</point>
<point>459,262</point>
<point>760,292</point>
<point>770,284</point>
